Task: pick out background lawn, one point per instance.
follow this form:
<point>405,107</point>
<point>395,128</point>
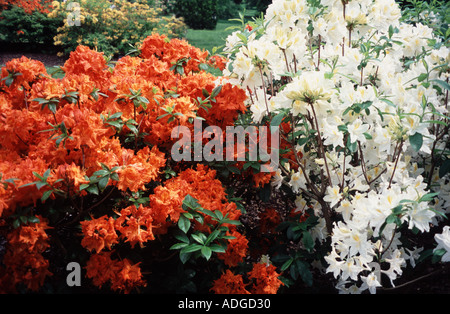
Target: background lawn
<point>208,39</point>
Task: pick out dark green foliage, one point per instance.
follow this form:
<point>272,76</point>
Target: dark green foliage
<point>227,9</point>
<point>197,14</point>
<point>259,5</point>
<point>33,30</point>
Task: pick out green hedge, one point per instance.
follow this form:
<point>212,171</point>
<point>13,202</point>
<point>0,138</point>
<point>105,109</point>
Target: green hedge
<point>197,14</point>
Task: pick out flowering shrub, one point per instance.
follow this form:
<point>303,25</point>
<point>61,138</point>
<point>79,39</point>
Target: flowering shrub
<point>86,172</point>
<point>110,26</point>
<point>27,22</point>
<point>361,100</point>
<point>27,6</point>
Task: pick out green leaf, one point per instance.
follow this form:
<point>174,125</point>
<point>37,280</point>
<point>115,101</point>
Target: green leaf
<point>46,195</point>
<point>197,238</point>
<point>184,257</point>
<point>442,83</point>
<point>352,147</point>
<point>178,246</point>
<point>286,264</point>
<point>206,252</point>
<point>428,197</point>
<point>93,189</point>
<point>191,248</point>
<point>416,141</point>
<point>103,182</point>
<point>217,248</point>
<point>184,224</point>
<point>445,168</point>
<point>276,121</point>
<point>33,219</point>
<point>422,77</point>
<point>216,91</point>
<point>83,186</point>
<point>305,272</point>
<point>437,255</point>
<point>308,241</point>
<point>181,236</point>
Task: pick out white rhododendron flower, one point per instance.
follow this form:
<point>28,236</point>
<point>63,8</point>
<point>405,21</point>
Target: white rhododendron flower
<point>365,96</point>
<point>443,240</point>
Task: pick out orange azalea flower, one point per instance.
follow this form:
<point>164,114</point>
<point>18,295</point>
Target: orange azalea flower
<point>98,234</point>
<point>25,73</point>
<point>229,103</point>
<point>30,70</point>
<point>32,236</point>
<point>270,219</point>
<point>135,225</point>
<point>122,275</point>
<point>229,283</point>
<point>218,62</point>
<point>89,62</point>
<point>128,277</point>
<point>26,147</point>
<point>141,169</point>
<point>23,267</point>
<point>23,258</point>
<point>261,178</point>
<point>72,175</point>
<point>266,279</point>
<point>236,249</point>
<point>100,268</point>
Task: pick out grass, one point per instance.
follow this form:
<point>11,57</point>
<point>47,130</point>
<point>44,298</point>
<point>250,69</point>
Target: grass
<point>208,39</point>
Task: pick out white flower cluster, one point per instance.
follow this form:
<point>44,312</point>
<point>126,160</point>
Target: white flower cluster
<point>376,93</point>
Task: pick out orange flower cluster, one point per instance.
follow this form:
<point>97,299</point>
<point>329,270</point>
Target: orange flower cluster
<point>24,261</point>
<point>266,279</point>
<point>28,5</point>
<point>122,275</point>
<point>138,225</point>
<point>110,121</point>
<point>270,219</point>
<point>263,279</point>
<point>237,250</point>
<point>202,185</point>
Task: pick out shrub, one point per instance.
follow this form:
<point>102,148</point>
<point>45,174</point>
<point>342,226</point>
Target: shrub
<point>197,14</point>
<point>27,24</point>
<point>86,174</point>
<point>227,9</point>
<point>361,100</point>
<point>111,28</point>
